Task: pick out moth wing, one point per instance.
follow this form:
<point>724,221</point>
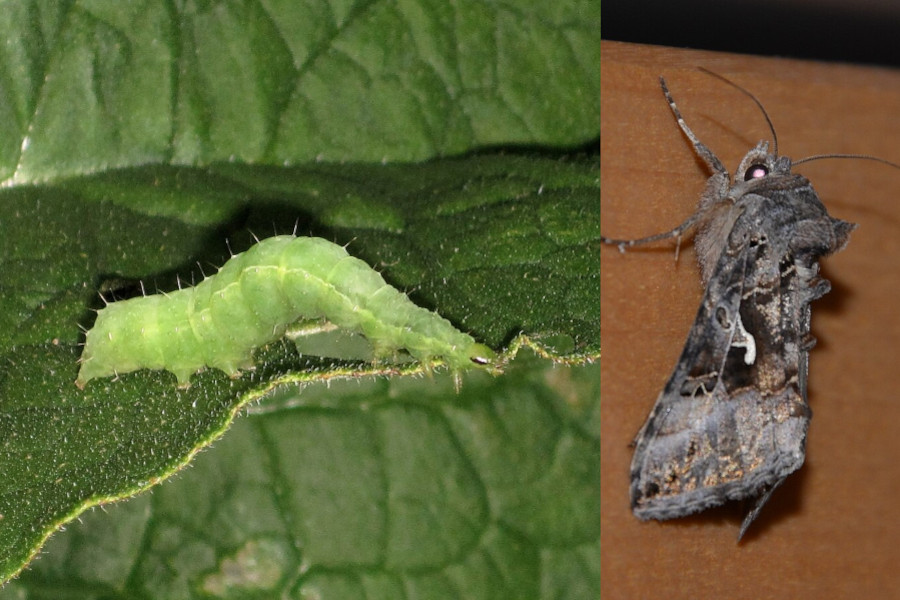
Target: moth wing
<point>717,432</point>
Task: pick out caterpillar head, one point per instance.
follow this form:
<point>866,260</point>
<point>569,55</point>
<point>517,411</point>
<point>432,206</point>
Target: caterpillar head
<point>481,355</point>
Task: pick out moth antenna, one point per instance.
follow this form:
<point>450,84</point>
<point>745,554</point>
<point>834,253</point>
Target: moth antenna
<point>700,148</point>
<point>755,101</point>
<point>775,136</point>
<point>862,156</point>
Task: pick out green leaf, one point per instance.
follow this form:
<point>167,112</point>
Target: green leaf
<point>339,482</point>
<point>103,83</point>
<point>367,489</point>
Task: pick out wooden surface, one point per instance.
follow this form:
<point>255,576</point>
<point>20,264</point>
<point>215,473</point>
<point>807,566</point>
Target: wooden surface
<point>833,529</point>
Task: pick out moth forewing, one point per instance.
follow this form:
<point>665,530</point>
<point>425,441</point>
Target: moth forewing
<point>731,421</point>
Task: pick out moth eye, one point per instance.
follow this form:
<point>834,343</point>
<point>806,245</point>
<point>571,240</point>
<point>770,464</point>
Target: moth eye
<point>756,172</point>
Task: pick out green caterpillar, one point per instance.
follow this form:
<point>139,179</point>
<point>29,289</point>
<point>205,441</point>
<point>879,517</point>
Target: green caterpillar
<point>252,300</point>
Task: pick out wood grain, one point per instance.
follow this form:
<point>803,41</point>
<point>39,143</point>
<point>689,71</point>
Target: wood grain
<point>831,530</point>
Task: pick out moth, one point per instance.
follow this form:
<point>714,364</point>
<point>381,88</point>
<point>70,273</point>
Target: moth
<point>252,301</point>
<point>731,422</point>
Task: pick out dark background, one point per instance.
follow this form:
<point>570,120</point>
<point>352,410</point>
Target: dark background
<point>858,31</point>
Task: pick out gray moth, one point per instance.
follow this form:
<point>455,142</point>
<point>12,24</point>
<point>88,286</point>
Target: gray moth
<point>731,422</point>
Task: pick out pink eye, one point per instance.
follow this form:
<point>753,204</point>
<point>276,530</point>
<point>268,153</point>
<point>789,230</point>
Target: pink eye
<point>756,172</point>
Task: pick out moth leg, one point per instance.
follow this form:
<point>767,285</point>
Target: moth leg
<point>758,503</point>
<point>700,148</point>
<point>678,232</point>
<point>711,161</point>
